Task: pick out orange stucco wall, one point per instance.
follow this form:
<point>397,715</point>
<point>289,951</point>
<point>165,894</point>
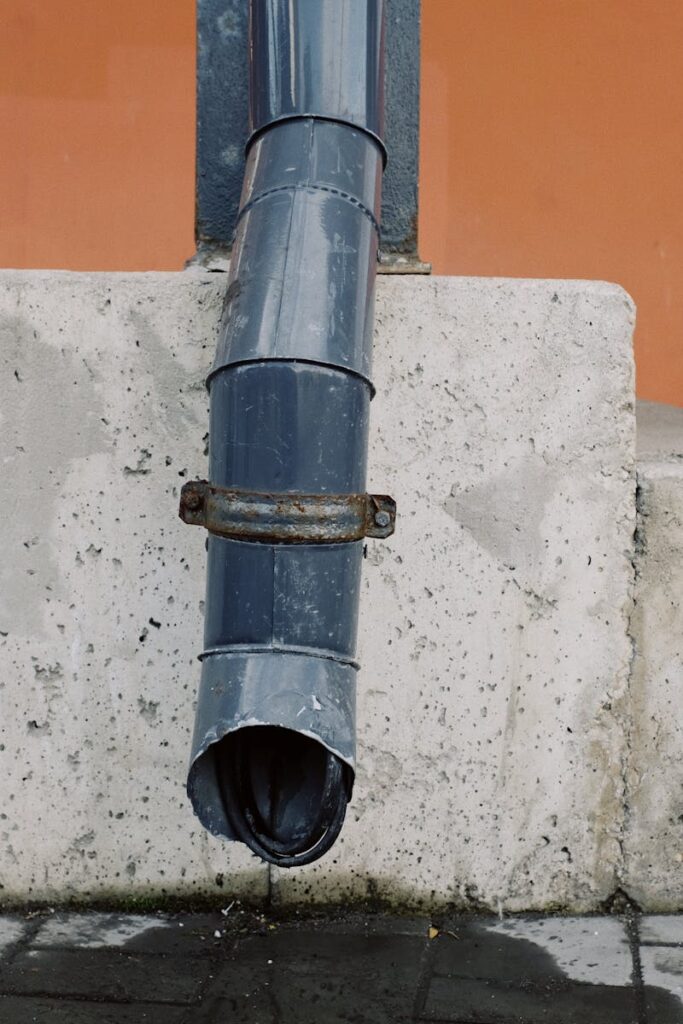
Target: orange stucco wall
<point>552,145</point>
<point>97,132</point>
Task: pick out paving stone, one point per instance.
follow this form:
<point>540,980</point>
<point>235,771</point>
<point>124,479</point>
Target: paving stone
<point>12,929</point>
<point>26,1010</point>
<point>96,931</point>
<point>96,974</point>
<point>311,974</point>
<point>353,969</point>
<point>308,947</point>
<point>585,949</point>
<point>590,949</point>
<point>238,1010</point>
<point>466,949</point>
<point>663,977</point>
<point>382,924</point>
<point>179,934</point>
<point>307,992</point>
<point>555,1001</point>
<point>240,995</point>
<point>551,971</point>
<point>340,998</point>
<point>665,930</point>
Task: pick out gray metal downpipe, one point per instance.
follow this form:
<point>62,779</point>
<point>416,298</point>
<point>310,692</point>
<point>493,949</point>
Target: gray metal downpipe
<point>272,761</point>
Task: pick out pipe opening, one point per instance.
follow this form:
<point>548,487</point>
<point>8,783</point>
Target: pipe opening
<point>284,793</point>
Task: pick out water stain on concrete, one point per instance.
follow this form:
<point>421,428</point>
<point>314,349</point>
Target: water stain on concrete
<point>504,516</point>
<point>50,416</point>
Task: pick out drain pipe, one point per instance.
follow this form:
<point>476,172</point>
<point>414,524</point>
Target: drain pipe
<point>272,761</point>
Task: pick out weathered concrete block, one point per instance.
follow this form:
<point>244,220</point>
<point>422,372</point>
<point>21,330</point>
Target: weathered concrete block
<point>494,645</point>
<point>494,638</point>
<point>653,873</point>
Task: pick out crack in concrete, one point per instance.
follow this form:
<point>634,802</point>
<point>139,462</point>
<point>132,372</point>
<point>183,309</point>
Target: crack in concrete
<point>626,764</point>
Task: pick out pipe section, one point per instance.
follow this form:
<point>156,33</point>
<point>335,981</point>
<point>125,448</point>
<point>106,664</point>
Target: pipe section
<point>272,761</point>
<point>318,58</point>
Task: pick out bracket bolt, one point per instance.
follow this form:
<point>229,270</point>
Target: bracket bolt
<point>193,501</point>
<point>382,518</point>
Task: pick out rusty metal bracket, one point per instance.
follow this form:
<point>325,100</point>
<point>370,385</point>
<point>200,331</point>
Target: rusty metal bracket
<point>287,518</point>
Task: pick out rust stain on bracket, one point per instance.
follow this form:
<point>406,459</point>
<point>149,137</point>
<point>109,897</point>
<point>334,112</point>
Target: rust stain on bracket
<point>287,518</point>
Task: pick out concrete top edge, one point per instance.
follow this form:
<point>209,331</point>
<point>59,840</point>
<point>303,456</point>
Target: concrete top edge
<point>566,286</point>
<point>425,281</point>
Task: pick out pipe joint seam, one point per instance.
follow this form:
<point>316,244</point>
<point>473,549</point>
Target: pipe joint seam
<point>275,648</point>
<point>276,360</point>
<point>342,122</point>
<point>311,188</point>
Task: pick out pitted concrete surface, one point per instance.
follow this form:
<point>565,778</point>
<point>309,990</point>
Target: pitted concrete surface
<point>234,965</point>
<point>495,644</point>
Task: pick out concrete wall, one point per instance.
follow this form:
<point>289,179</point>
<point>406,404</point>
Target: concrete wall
<point>493,710</point>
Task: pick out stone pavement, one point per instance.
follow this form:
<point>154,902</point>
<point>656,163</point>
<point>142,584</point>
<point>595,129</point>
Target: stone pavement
<point>234,966</point>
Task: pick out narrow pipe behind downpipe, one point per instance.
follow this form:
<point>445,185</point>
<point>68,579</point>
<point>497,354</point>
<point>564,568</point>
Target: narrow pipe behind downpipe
<point>274,745</point>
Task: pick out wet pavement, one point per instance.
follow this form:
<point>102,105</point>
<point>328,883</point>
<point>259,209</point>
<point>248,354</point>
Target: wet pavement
<point>233,965</point>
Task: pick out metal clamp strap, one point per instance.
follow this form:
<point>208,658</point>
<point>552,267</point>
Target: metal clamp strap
<point>287,518</point>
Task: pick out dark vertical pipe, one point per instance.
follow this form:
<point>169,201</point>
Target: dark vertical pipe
<point>273,751</point>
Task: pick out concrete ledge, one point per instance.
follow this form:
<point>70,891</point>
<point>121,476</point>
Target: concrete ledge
<point>654,838</point>
<point>495,646</point>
